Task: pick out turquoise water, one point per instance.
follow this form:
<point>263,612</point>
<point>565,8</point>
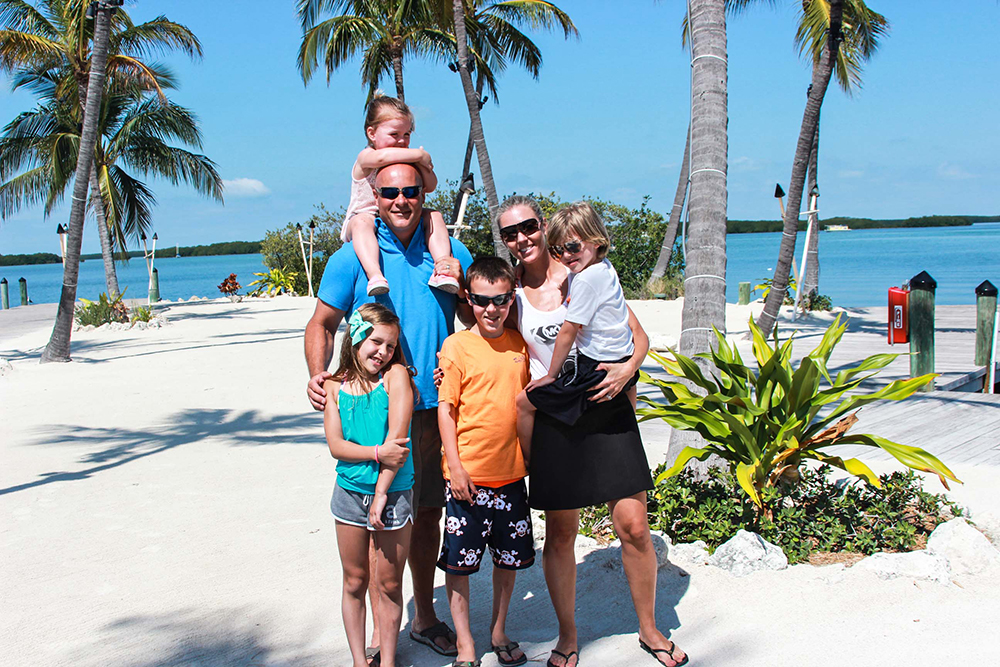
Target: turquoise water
<point>856,267</point>
<point>180,277</point>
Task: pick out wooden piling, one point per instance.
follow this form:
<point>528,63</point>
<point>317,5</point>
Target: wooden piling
<point>986,308</point>
<point>154,286</point>
<point>4,295</point>
<point>24,291</point>
<point>744,294</point>
<point>922,288</point>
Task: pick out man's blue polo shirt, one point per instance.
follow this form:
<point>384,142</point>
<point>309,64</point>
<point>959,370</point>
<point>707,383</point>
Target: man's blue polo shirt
<point>427,315</point>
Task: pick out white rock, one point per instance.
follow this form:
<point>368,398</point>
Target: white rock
<point>584,543</point>
<point>141,326</point>
<point>537,528</point>
<point>912,565</point>
<point>689,553</point>
<point>89,327</point>
<point>748,552</point>
<point>661,543</point>
<point>193,298</point>
<point>5,367</point>
<point>966,549</point>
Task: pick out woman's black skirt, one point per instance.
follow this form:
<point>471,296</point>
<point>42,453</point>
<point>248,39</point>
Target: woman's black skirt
<point>599,458</point>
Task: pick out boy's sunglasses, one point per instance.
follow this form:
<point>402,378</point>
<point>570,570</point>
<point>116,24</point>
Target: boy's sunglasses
<point>572,248</point>
<point>484,301</point>
<point>410,192</point>
<point>527,227</point>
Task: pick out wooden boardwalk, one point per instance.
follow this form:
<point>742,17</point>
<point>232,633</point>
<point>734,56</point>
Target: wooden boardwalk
<point>959,427</point>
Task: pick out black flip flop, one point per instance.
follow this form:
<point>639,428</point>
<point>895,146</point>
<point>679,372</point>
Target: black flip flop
<point>373,656</point>
<point>566,658</point>
<point>427,637</point>
<point>509,650</point>
<point>670,653</point>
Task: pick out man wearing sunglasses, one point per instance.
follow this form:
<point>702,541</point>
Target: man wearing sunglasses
<point>427,317</point>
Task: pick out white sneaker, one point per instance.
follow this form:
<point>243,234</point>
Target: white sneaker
<point>378,286</point>
<point>444,282</point>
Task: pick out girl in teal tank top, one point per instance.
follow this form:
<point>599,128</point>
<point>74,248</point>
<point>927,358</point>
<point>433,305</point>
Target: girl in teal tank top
<point>367,430</point>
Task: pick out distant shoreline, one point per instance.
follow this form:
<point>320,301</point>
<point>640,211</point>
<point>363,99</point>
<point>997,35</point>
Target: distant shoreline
<point>732,227</point>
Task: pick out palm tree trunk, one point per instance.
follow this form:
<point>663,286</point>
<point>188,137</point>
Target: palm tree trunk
<point>807,135</point>
<point>107,251</point>
<point>58,348</point>
<point>810,281</point>
<point>666,250</point>
<point>485,171</point>
<point>397,71</point>
<point>705,273</point>
<point>480,82</point>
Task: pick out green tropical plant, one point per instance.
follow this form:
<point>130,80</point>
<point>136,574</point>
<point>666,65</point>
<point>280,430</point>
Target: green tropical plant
<point>103,311</point>
<point>274,282</point>
<point>280,248</point>
<point>230,286</point>
<point>142,314</point>
<point>764,424</point>
<point>765,289</point>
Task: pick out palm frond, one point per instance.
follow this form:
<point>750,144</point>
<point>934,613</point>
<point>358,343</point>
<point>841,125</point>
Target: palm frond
<point>535,14</point>
<point>22,49</point>
<point>156,37</point>
<point>26,189</point>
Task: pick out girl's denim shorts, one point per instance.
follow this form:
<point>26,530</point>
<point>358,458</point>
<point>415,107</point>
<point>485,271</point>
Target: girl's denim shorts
<point>351,507</point>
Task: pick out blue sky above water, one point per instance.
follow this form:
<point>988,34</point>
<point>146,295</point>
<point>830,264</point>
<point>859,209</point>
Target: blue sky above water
<point>606,118</point>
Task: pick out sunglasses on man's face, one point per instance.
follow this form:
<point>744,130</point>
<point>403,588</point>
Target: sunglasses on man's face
<point>410,192</point>
<point>572,248</point>
<point>527,227</point>
<point>484,301</point>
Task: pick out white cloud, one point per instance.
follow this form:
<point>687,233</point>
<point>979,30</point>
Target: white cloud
<point>953,172</point>
<point>245,187</point>
<point>744,163</point>
<point>850,173</point>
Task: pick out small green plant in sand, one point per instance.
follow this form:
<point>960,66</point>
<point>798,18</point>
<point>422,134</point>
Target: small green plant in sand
<point>764,424</point>
<point>274,282</point>
<point>765,289</point>
<point>142,314</point>
<point>102,311</point>
<point>814,519</point>
<point>816,302</point>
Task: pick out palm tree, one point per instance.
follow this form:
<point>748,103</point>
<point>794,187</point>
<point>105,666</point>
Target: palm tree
<point>133,130</point>
<point>53,38</point>
<point>383,31</point>
<point>667,247</point>
<point>495,38</point>
<point>705,272</point>
<point>57,348</point>
<point>825,26</point>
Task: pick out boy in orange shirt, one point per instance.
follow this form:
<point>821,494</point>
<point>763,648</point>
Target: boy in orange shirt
<point>485,368</point>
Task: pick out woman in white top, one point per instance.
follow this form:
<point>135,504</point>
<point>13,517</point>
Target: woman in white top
<point>600,459</point>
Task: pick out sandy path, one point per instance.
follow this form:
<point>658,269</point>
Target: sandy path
<point>165,502</point>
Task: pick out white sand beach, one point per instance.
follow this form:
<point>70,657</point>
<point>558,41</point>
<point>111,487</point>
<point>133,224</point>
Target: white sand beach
<point>165,502</point>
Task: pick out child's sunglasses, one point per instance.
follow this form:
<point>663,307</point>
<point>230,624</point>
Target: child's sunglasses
<point>410,192</point>
<point>572,248</point>
<point>527,227</point>
<point>484,301</point>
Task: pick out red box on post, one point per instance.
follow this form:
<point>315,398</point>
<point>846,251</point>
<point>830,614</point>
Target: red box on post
<point>899,316</point>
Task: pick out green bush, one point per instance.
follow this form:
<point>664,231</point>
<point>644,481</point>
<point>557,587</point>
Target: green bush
<point>816,515</point>
<point>142,314</point>
<point>814,302</point>
<point>102,311</point>
<point>281,250</point>
<point>275,282</point>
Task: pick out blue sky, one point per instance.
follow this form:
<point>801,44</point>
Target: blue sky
<point>606,118</point>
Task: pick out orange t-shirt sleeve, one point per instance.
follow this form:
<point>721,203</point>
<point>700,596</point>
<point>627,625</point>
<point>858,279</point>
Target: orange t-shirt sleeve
<point>454,369</point>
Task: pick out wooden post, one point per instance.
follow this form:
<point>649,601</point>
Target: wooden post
<point>744,294</point>
<point>4,294</point>
<point>154,287</point>
<point>922,288</point>
<point>986,308</point>
<point>24,291</point>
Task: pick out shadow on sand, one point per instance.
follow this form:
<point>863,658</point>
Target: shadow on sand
<point>110,447</point>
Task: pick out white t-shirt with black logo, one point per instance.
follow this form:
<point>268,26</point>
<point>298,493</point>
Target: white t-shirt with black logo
<point>597,303</point>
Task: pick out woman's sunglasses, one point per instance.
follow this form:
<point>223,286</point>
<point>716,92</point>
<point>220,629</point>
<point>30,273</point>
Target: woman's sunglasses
<point>484,301</point>
<point>527,227</point>
<point>410,192</point>
<point>572,248</point>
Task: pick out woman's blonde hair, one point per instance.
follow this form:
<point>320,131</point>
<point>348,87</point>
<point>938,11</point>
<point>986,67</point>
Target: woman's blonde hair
<point>383,108</point>
<point>579,219</point>
<point>350,368</point>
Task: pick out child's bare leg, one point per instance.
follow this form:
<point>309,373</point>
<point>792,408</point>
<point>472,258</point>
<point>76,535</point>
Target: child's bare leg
<point>503,589</point>
<point>525,424</point>
<point>633,396</point>
<point>352,542</point>
<point>439,244</point>
<point>365,241</point>
<point>373,589</point>
<point>457,586</point>
<point>393,547</point>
